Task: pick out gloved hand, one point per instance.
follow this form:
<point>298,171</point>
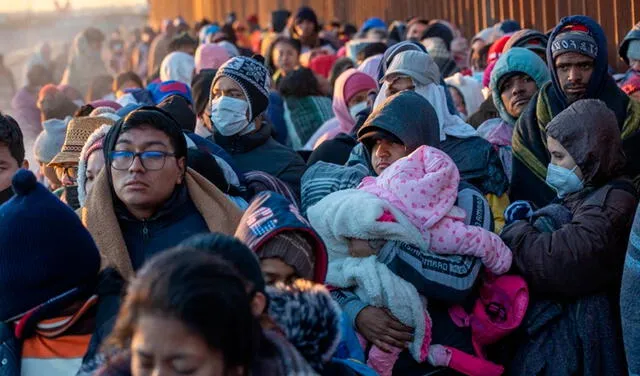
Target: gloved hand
<point>518,210</point>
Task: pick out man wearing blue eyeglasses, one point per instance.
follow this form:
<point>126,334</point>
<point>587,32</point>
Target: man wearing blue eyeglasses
<point>146,199</point>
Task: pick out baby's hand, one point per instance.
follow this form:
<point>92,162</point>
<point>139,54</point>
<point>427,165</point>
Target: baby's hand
<point>364,248</point>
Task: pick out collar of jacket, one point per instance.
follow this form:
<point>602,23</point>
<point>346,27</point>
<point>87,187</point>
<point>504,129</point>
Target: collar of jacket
<point>242,144</point>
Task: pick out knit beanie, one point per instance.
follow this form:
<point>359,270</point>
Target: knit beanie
<point>179,109</point>
<point>210,56</point>
<point>497,48</point>
<point>94,143</point>
<point>292,248</point>
<point>161,90</point>
<point>35,267</point>
<point>577,39</point>
<point>49,142</point>
<point>252,77</point>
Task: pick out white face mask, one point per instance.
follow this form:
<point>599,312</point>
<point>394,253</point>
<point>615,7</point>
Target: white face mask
<point>357,108</point>
<point>229,116</point>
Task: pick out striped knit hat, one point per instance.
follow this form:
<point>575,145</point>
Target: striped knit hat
<point>292,248</point>
<point>252,76</point>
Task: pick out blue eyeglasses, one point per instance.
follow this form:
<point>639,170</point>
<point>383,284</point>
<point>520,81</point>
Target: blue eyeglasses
<point>151,160</point>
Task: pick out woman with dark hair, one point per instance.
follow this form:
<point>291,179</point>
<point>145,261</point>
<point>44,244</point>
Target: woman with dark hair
<point>197,299</point>
<point>186,312</point>
<point>305,108</point>
<point>283,57</point>
<point>124,81</point>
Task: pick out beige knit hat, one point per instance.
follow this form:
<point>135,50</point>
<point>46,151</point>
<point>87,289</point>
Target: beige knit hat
<point>78,131</point>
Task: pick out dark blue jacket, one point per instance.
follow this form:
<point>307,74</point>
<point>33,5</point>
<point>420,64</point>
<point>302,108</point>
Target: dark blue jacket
<point>177,220</point>
<point>258,151</point>
<point>271,214</point>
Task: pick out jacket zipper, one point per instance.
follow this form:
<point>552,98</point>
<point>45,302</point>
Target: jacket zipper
<point>145,230</point>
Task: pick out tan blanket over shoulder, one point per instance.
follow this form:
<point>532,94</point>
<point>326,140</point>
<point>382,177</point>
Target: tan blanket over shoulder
<point>99,217</point>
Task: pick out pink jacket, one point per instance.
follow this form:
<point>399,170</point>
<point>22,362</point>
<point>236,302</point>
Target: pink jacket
<point>424,186</point>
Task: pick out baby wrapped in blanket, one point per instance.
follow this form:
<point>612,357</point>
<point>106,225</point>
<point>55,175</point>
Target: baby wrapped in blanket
<point>424,187</point>
<point>426,218</point>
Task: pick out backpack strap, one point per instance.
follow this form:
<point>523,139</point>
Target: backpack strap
<point>599,197</point>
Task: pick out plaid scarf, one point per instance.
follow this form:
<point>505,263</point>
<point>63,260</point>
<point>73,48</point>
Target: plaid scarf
<point>304,116</point>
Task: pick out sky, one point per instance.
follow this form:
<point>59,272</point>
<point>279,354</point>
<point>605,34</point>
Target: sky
<point>48,5</point>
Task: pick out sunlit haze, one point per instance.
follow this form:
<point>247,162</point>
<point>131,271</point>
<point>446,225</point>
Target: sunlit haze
<point>49,5</point>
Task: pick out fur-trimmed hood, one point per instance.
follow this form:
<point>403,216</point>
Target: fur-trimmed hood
<point>309,318</point>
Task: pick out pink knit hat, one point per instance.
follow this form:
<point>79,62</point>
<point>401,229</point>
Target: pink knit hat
<point>210,56</point>
<point>348,84</point>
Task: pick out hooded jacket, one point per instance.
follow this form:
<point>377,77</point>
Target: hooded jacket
<point>407,116</point>
<point>519,60</point>
<point>259,151</point>
<point>563,263</point>
<point>529,139</point>
<point>309,318</point>
<point>271,214</point>
<point>98,134</point>
<point>633,34</point>
<point>411,119</point>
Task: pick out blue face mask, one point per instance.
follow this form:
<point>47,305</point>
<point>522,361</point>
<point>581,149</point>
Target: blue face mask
<point>478,75</point>
<point>563,181</point>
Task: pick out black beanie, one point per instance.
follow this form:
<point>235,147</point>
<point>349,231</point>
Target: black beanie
<point>44,248</point>
<point>180,110</point>
<point>253,78</point>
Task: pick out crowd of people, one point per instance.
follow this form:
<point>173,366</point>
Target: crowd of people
<point>394,199</point>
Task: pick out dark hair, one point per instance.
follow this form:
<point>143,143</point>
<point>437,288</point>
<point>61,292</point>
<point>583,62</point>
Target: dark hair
<point>300,83</point>
<point>182,40</point>
<point>421,21</point>
<point>272,47</point>
<point>94,35</point>
<point>348,29</point>
<point>39,75</point>
<point>84,110</point>
<point>227,29</point>
<point>124,77</point>
<point>372,50</point>
<point>235,252</point>
<point>338,68</point>
<point>160,120</point>
<point>99,87</point>
<point>201,291</point>
<point>11,135</point>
